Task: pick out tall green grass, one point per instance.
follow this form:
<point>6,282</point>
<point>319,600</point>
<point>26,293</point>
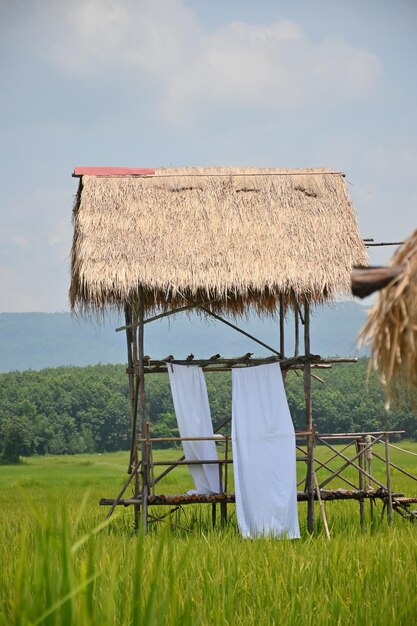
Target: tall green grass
<point>60,563</point>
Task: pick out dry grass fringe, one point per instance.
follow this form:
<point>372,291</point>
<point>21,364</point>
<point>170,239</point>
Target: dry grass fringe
<point>391,328</point>
<point>236,236</point>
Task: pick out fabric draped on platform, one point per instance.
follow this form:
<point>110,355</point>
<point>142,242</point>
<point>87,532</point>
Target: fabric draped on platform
<point>264,455</point>
<point>189,393</point>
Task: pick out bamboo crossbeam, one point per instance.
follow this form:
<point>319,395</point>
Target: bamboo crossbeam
<point>205,462</point>
<point>123,489</point>
<point>352,435</point>
<point>329,469</point>
<point>351,462</point>
<point>313,359</point>
<point>395,466</point>
<point>384,243</point>
<point>401,500</point>
<point>402,449</point>
<point>156,366</point>
<point>169,469</point>
<point>219,438</point>
<point>239,330</point>
<point>162,315</point>
<point>194,462</point>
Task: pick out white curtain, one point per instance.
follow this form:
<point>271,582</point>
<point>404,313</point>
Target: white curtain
<point>264,455</point>
<point>189,393</point>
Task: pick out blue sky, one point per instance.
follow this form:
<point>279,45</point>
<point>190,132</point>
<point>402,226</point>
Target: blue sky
<point>175,82</point>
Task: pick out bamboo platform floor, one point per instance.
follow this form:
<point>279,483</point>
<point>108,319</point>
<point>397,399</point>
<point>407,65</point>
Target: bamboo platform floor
<point>229,498</point>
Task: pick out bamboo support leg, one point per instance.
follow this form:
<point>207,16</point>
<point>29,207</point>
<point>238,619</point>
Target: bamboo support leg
<point>223,513</point>
<point>310,484</point>
<point>388,471</point>
<point>309,421</point>
<point>361,482</point>
<point>213,514</point>
<point>142,409</point>
<point>368,467</point>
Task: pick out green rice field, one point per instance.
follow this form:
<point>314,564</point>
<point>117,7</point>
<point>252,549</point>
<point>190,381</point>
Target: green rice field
<point>60,563</point>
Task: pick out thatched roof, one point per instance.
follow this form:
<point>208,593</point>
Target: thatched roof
<point>238,236</point>
<point>391,328</point>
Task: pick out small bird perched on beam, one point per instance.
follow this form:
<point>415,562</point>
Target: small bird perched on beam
<point>168,358</point>
<point>215,357</point>
<point>190,357</point>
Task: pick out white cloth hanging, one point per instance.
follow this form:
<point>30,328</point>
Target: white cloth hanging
<point>264,455</point>
<point>189,393</point>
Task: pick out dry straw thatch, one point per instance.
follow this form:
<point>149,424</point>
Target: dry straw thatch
<point>391,328</point>
<point>237,236</point>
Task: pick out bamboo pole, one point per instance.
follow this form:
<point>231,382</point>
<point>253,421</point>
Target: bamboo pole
<point>135,412</point>
<point>321,436</point>
<point>169,469</point>
<point>142,409</point>
<point>192,462</point>
<point>309,420</point>
<point>397,467</point>
<point>296,331</point>
<point>281,325</point>
<point>213,514</point>
<point>351,462</point>
<point>388,471</point>
<point>367,439</point>
<point>223,505</point>
<point>161,315</point>
<point>239,330</point>
<point>131,388</point>
<point>121,492</point>
<point>361,482</point>
<point>322,509</point>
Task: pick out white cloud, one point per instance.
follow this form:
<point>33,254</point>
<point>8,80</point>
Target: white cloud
<point>272,66</point>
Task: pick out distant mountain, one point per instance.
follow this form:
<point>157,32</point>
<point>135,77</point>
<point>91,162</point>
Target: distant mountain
<point>40,340</point>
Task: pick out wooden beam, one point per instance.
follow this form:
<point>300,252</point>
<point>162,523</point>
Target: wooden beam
<point>366,280</point>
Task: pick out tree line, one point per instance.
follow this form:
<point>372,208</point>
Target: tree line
<point>70,410</point>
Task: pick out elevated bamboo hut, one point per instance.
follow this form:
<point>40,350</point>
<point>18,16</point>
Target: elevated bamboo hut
<point>391,327</point>
<point>220,240</point>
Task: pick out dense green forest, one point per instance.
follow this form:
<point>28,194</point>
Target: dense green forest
<point>68,410</point>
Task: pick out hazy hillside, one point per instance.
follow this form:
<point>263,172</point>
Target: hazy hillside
<point>39,340</point>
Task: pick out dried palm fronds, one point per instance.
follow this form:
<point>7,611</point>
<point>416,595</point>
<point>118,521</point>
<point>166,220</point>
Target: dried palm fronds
<point>391,328</point>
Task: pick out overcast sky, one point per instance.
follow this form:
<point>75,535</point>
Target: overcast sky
<point>207,82</point>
